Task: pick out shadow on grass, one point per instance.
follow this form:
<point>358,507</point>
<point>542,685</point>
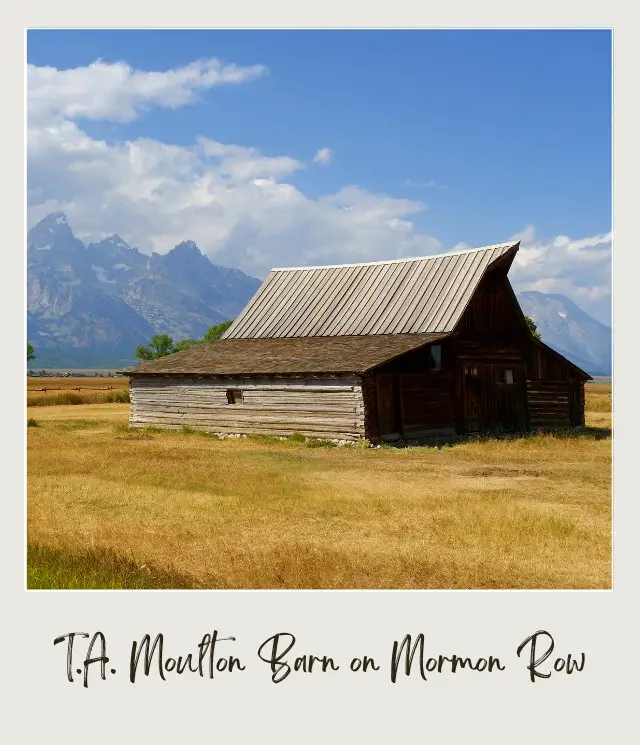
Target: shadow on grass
<point>95,569</point>
<point>578,433</point>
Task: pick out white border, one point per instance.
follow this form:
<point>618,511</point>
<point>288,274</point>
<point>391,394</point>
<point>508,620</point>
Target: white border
<point>596,708</point>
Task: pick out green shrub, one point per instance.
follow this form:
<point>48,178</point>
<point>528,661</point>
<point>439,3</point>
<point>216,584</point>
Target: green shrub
<point>70,398</point>
<point>117,397</point>
<point>315,442</point>
<point>31,422</point>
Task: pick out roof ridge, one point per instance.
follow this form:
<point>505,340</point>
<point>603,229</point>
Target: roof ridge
<point>510,244</point>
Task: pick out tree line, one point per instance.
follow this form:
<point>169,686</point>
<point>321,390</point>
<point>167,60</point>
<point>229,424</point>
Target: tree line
<point>162,344</point>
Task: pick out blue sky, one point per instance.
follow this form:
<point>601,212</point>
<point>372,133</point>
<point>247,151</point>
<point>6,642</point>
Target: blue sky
<point>462,136</point>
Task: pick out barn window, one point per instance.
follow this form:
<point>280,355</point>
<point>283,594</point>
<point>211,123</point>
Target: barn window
<point>234,396</point>
<point>436,357</point>
<point>505,377</point>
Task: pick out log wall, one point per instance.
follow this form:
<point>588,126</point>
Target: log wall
<point>314,407</point>
<point>548,402</point>
<point>427,403</point>
<point>555,391</point>
<point>423,396</point>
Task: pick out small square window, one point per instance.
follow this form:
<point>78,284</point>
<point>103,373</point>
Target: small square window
<point>435,352</point>
<point>505,377</point>
<point>234,396</point>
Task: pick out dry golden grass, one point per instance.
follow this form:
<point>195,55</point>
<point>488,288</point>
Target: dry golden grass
<point>51,391</point>
<point>598,397</point>
<point>528,512</point>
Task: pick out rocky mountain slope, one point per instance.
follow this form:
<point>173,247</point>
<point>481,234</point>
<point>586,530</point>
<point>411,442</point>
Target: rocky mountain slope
<point>570,331</point>
<point>92,305</point>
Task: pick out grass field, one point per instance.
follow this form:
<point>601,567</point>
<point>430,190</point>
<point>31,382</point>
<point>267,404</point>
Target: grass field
<point>110,507</point>
<point>72,391</point>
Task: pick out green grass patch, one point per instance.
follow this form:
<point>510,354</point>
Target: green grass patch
<point>31,422</point>
<point>117,397</point>
<point>94,569</point>
<point>69,425</point>
<point>314,442</point>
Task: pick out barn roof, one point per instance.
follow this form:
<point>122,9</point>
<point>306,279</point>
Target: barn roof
<point>403,296</point>
<point>318,354</point>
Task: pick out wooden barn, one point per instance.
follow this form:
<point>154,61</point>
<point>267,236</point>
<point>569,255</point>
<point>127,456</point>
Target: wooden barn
<point>393,349</point>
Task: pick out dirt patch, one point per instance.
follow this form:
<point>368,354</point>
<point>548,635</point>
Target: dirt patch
<point>500,471</point>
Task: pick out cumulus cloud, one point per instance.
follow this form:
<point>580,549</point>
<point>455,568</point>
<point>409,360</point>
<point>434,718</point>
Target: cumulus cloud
<point>244,163</point>
<point>577,267</point>
<point>236,202</point>
<point>324,156</point>
<point>239,204</point>
<point>116,92</point>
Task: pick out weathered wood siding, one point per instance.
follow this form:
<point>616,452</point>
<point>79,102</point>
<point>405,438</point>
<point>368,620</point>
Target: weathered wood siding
<point>545,365</point>
<point>427,403</point>
<point>548,402</point>
<point>555,394</point>
<point>491,342</point>
<point>370,400</point>
<point>314,407</point>
<point>408,398</point>
<point>494,315</point>
<point>501,407</point>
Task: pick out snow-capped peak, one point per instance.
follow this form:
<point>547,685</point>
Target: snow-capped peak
<point>117,241</point>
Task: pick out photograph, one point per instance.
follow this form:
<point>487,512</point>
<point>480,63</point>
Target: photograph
<point>318,309</point>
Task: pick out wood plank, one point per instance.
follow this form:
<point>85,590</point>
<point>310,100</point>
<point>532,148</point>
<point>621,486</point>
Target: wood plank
<point>317,431</point>
<point>326,386</point>
<point>271,432</point>
<point>258,410</point>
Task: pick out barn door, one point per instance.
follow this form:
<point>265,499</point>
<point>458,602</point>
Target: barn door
<point>472,402</point>
<point>388,406</point>
<point>508,400</point>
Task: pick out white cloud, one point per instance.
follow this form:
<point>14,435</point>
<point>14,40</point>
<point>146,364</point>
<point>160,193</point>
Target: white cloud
<point>236,202</point>
<point>116,92</point>
<point>578,268</point>
<point>324,156</point>
<point>244,163</point>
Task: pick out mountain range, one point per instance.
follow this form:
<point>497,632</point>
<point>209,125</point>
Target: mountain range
<point>91,305</point>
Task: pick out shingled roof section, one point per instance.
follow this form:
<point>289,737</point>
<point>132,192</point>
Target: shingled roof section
<point>319,354</point>
<point>422,295</point>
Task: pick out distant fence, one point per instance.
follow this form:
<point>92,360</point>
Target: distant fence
<point>90,388</point>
